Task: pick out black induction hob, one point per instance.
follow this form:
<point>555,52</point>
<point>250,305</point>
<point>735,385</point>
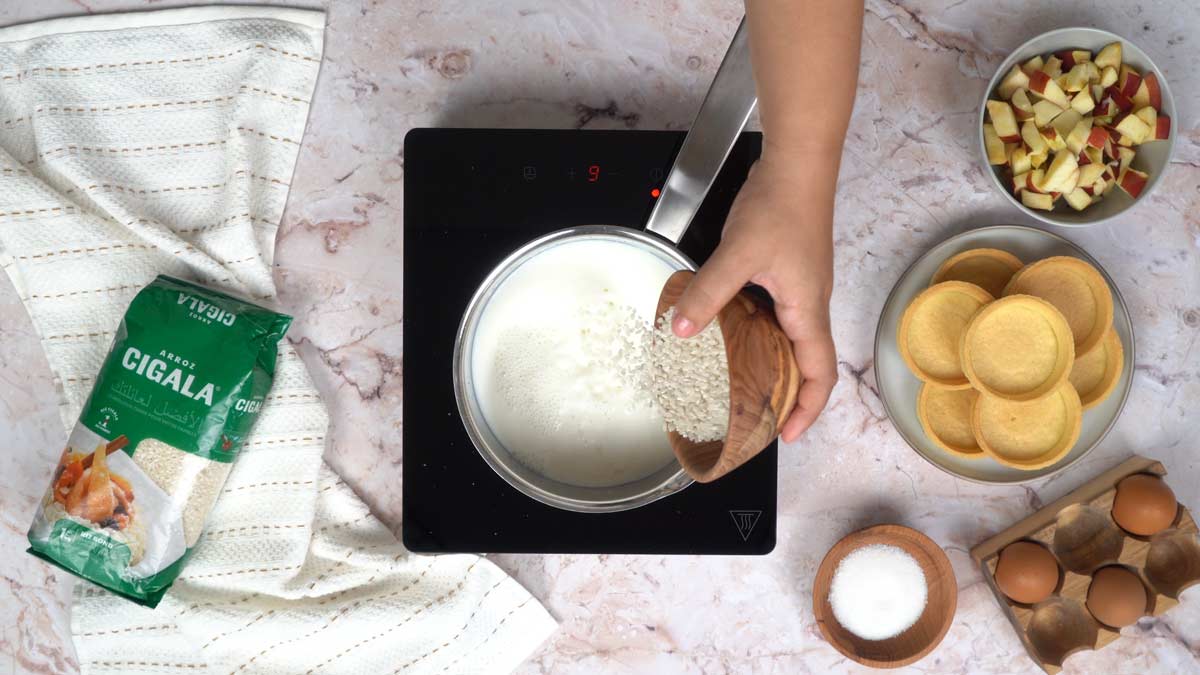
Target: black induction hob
<point>471,197</point>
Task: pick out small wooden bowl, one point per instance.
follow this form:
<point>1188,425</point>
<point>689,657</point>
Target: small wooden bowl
<point>764,381</point>
<point>913,644</point>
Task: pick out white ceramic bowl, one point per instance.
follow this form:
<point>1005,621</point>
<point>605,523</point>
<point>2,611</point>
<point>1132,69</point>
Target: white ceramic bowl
<point>898,387</point>
<point>1151,157</point>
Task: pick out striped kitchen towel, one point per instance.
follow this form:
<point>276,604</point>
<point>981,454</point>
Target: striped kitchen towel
<point>164,142</point>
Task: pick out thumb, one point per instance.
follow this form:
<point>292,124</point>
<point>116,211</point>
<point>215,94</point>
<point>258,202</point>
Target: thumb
<point>715,284</point>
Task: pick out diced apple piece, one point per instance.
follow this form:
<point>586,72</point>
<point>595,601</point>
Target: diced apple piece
<point>1125,155</point>
<point>1043,86</point>
<point>1090,173</point>
<point>1033,65</point>
<point>1003,120</point>
<point>1154,91</point>
<point>1077,139</point>
<point>1044,112</point>
<point>1110,146</point>
<point>1078,199</point>
<point>994,146</point>
<point>1096,188</point>
<point>1014,81</point>
<point>1061,168</point>
<point>1093,73</point>
<point>1037,159</point>
<point>1033,138</point>
<point>1053,66</point>
<point>1128,80</point>
<point>1108,76</point>
<point>1097,136</point>
<point>1035,200</point>
<point>1132,181</point>
<point>1070,183</point>
<point>1071,57</point>
<point>1083,103</point>
<point>1054,140</point>
<point>1018,159</point>
<point>1076,78</point>
<point>1110,56</point>
<point>1149,116</point>
<point>1065,122</point>
<point>1094,155</point>
<point>1162,130</point>
<point>1141,97</point>
<point>1020,182</point>
<point>1022,107</point>
<point>1123,102</point>
<point>1034,183</point>
<point>1133,128</point>
<point>1109,184</point>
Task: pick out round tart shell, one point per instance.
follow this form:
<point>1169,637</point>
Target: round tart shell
<point>939,408</point>
<point>999,344</point>
<point>1095,374</point>
<point>989,268</point>
<point>1077,289</point>
<point>1028,435</point>
<point>931,328</point>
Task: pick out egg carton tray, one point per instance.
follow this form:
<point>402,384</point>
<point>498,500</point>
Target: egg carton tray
<point>1053,629</point>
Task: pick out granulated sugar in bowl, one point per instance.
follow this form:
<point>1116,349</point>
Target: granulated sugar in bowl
<point>878,592</point>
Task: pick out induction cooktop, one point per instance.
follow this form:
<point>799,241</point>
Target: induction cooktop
<point>471,197</point>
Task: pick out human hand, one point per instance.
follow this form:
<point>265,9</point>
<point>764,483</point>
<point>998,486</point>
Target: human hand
<point>778,235</point>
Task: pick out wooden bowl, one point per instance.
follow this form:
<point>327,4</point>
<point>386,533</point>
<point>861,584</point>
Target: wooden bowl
<point>764,380</point>
<point>913,644</point>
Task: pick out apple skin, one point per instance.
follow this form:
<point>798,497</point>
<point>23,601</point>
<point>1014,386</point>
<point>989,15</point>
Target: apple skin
<point>1097,138</point>
<point>1129,81</point>
<point>1151,82</point>
<point>1162,128</point>
<point>1123,102</point>
<point>1132,182</point>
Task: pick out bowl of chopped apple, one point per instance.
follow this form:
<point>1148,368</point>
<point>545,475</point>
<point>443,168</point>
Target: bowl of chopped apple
<point>1076,126</point>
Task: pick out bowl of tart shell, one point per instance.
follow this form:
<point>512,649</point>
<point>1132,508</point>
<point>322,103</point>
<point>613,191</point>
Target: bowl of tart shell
<point>1071,575</point>
<point>1010,354</point>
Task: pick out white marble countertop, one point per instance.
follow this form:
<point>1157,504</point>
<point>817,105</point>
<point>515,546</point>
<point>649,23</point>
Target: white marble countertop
<point>910,178</point>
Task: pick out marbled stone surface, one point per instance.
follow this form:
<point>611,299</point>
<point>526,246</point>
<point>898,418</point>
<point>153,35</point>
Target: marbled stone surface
<point>909,179</point>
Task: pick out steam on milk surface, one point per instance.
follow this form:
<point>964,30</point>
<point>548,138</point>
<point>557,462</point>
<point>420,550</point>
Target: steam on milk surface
<point>544,362</point>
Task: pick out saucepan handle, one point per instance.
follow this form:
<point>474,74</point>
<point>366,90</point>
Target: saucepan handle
<point>726,107</point>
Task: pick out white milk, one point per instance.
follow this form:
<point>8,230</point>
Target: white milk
<point>545,371</point>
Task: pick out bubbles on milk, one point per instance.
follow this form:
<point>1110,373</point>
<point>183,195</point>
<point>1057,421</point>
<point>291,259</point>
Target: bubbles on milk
<point>546,358</point>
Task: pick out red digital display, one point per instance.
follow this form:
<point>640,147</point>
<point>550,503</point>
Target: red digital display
<point>593,173</point>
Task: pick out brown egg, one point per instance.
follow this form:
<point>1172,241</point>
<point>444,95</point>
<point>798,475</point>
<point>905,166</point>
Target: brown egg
<point>1144,505</point>
<point>1026,572</point>
<point>1116,597</point>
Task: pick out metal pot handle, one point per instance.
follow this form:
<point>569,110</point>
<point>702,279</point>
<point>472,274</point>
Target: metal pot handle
<point>718,124</point>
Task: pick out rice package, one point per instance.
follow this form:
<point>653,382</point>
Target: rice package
<point>185,378</point>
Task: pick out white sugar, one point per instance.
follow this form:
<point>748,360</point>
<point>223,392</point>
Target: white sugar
<point>878,592</point>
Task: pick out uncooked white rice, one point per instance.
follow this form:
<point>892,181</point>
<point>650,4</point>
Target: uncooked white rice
<point>688,379</point>
<point>192,482</point>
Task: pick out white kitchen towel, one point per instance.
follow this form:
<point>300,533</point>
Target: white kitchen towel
<point>164,142</point>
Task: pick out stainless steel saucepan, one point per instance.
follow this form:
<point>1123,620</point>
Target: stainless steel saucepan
<point>722,116</point>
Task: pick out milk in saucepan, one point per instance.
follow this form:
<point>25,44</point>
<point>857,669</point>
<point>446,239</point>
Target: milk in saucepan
<point>545,364</point>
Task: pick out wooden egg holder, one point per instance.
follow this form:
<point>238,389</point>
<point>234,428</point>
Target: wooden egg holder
<point>1167,563</point>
